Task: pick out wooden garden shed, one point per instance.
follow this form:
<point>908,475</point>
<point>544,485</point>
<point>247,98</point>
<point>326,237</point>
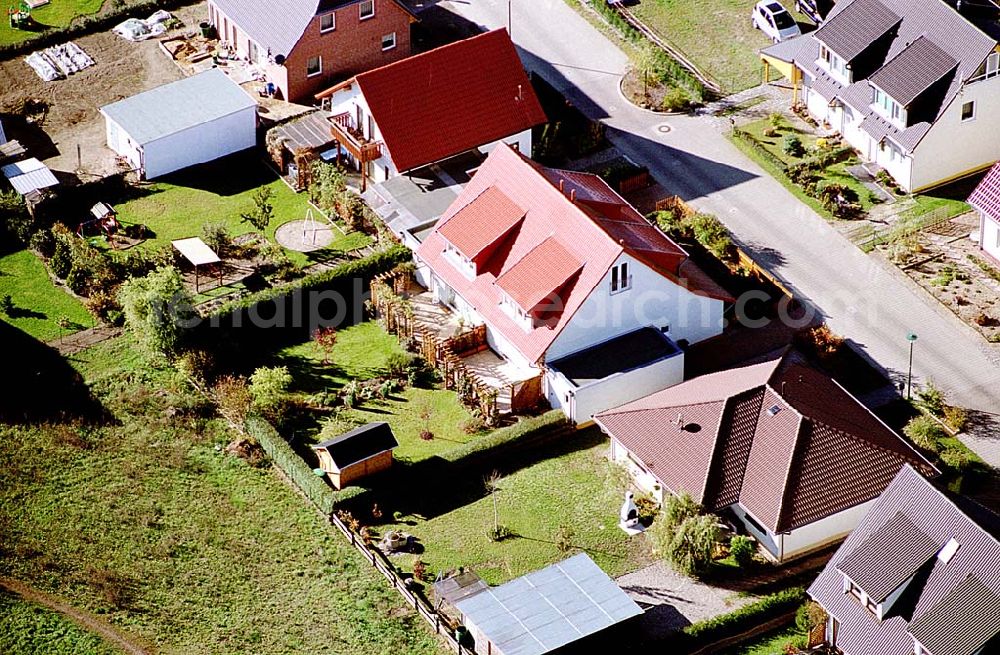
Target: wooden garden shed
<point>363,451</point>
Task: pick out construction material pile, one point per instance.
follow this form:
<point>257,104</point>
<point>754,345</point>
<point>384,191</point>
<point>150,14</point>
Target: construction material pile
<point>59,61</point>
<point>135,29</point>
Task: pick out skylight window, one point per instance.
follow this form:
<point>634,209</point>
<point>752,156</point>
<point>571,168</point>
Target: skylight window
<point>948,551</point>
<point>773,410</point>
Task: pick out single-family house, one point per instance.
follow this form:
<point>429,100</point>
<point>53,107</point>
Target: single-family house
<point>785,449</point>
<point>569,280</point>
<point>563,608</point>
<point>191,121</point>
<point>433,106</point>
<point>912,85</point>
<point>986,200</point>
<point>363,451</point>
<point>919,576</point>
<point>303,46</point>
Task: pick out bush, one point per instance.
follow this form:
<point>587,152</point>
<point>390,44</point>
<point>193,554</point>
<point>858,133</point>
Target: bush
<point>693,541</point>
<point>646,508</point>
<point>792,146</point>
<point>269,388</point>
<point>956,458</point>
<point>672,223</point>
<point>61,260</point>
<point>809,616</point>
<point>925,432</point>
<point>748,616</point>
<point>504,438</point>
<point>43,243</point>
<point>473,425</point>
<point>678,509</point>
<point>216,236</point>
<point>285,458</point>
<point>104,305</point>
<point>955,417</point>
<point>742,549</point>
<point>675,99</point>
<point>711,233</point>
<point>156,308</point>
<point>930,399</point>
<point>397,364</point>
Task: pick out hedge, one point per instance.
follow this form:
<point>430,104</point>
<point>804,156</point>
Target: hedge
<point>504,438</point>
<point>315,488</point>
<point>90,24</point>
<point>745,618</point>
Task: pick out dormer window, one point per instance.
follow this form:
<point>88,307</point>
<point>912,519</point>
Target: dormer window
<point>620,277</point>
<point>889,108</point>
<point>834,64</point>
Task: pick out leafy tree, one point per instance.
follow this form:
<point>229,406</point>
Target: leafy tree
<point>327,184</point>
<point>155,308</point>
<point>678,509</point>
<point>809,616</point>
<point>326,339</point>
<point>262,212</point>
<point>269,387</point>
<point>690,550</point>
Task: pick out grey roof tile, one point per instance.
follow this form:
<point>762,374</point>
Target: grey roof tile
<point>962,622</point>
<point>913,71</point>
<point>856,27</point>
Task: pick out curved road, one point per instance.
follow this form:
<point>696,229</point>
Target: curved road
<point>860,298</point>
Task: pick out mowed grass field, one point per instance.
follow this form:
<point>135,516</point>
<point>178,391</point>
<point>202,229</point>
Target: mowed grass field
<point>149,523</point>
<point>27,629</point>
<point>38,303</point>
<point>715,34</point>
<point>58,13</point>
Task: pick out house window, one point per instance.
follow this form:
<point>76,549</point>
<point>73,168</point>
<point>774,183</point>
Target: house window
<point>620,278</point>
<point>389,41</point>
<point>753,523</point>
<point>968,110</point>
<point>314,66</point>
<point>328,22</point>
<point>366,9</point>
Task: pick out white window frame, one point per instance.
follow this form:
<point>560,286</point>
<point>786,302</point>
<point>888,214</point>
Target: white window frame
<point>391,35</point>
<point>621,278</point>
<point>319,69</point>
<point>361,9</point>
<point>972,116</point>
<point>333,22</point>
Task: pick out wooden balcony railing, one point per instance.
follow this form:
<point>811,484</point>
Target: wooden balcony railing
<point>343,129</point>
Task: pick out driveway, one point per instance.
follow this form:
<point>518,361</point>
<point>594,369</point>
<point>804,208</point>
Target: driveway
<point>859,297</point>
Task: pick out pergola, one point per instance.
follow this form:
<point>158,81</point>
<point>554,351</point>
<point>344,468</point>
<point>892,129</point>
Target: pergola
<point>199,254</point>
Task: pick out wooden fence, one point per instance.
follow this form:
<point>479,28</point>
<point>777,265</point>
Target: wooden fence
<point>381,563</point>
<point>526,395</point>
<point>635,182</point>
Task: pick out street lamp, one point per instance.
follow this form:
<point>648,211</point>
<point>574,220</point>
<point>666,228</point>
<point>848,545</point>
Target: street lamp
<point>912,338</point>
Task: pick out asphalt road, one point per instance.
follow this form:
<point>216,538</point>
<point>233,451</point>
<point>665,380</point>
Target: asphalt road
<point>859,297</point>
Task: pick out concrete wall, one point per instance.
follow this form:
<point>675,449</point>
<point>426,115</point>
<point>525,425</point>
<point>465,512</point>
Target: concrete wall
<point>614,390</point>
<point>201,143</point>
<point>354,46</point>
<point>651,300</point>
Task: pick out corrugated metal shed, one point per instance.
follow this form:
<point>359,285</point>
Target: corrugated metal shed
<point>549,608</point>
<point>179,106</point>
<point>29,175</point>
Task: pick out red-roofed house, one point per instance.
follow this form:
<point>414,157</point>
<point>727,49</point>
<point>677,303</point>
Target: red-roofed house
<point>433,106</point>
<point>794,456</point>
<point>986,200</point>
<point>569,279</point>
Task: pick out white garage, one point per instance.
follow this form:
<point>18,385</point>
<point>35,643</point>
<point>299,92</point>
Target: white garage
<point>191,121</point>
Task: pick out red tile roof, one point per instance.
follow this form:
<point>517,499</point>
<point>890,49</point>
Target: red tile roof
<point>782,439</point>
<point>986,196</point>
<point>539,274</point>
<point>451,99</point>
<point>580,233</point>
<point>482,222</point>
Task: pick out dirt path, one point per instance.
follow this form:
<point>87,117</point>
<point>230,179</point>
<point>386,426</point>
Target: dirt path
<point>84,619</point>
<point>74,343</point>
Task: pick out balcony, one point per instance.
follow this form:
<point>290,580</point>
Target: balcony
<point>347,134</point>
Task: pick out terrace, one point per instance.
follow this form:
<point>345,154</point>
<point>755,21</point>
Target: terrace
<point>350,136</point>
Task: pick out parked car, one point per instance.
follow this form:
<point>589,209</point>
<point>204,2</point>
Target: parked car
<point>774,20</point>
<point>816,10</point>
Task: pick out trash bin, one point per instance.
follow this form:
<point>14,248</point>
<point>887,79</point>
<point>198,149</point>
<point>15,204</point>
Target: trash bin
<point>206,29</point>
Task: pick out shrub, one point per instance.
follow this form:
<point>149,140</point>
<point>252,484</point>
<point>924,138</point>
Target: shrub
<point>931,399</point>
<point>678,509</point>
<point>742,549</point>
<point>419,570</point>
<point>62,258</point>
<point>672,223</point>
<point>233,398</point>
<point>925,432</point>
<point>43,243</point>
<point>775,120</point>
<point>675,99</point>
<point>646,508</point>
<point>693,541</point>
<point>269,387</point>
<point>197,364</point>
<point>397,363</point>
<point>955,417</point>
<point>156,308</point>
<point>7,305</point>
<point>259,216</point>
<point>104,305</point>
<point>506,438</point>
<point>748,616</point>
<point>809,616</point>
<point>216,236</point>
<point>792,146</point>
<point>326,339</point>
<point>956,458</point>
<point>564,538</point>
<point>499,533</point>
<point>473,425</point>
<point>711,233</point>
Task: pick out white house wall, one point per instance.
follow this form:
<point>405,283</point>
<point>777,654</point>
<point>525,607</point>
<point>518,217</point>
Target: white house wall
<point>809,537</point>
<point>121,142</point>
<point>951,146</point>
<point>617,389</point>
<point>989,237</point>
<point>652,300</point>
<point>640,475</point>
<point>201,143</point>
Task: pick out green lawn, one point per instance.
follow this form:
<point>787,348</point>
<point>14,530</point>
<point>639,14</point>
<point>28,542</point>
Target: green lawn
<point>715,34</point>
<point>772,643</point>
<point>361,353</point>
<point>27,629</point>
<point>149,523</point>
<point>57,13</point>
<point>38,303</point>
<point>180,205</point>
<point>578,489</point>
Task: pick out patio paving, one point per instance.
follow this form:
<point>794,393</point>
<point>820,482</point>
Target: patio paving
<point>430,314</point>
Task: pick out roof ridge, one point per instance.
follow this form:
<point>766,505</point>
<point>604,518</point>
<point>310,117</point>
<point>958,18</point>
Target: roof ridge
<point>409,60</point>
<point>793,457</point>
<point>614,411</point>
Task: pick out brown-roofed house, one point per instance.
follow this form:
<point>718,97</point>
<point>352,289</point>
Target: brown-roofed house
<point>795,457</point>
<point>571,283</point>
<point>919,575</point>
<point>912,85</point>
<point>303,46</point>
<point>434,106</point>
